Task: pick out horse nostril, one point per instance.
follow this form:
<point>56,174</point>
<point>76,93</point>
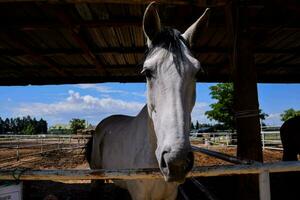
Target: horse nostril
<point>163,163</point>
<point>190,161</point>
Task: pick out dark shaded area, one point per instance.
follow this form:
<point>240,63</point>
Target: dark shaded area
<point>58,43</point>
<point>39,190</point>
<point>88,150</point>
<point>283,186</point>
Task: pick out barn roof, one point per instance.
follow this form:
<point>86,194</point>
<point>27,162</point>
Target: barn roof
<point>85,41</point>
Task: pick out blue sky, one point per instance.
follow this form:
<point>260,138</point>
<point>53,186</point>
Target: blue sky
<point>93,102</point>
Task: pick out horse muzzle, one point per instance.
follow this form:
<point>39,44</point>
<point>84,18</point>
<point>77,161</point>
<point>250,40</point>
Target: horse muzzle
<point>176,165</point>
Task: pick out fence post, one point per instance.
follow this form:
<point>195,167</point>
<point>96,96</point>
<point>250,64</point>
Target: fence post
<point>263,140</point>
<point>227,138</point>
<point>42,145</point>
<point>18,155</point>
<point>264,186</point>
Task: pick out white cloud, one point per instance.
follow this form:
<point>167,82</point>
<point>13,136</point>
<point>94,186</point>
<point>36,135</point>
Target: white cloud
<point>108,90</point>
<point>198,112</point>
<point>91,108</point>
<point>77,106</point>
<point>273,119</point>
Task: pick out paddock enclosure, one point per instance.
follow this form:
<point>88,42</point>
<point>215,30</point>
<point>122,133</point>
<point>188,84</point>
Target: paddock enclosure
<point>84,41</point>
<point>67,151</point>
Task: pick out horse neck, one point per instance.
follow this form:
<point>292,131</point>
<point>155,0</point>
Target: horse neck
<point>147,129</point>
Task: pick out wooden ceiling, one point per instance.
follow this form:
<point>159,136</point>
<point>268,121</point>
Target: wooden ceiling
<point>85,41</point>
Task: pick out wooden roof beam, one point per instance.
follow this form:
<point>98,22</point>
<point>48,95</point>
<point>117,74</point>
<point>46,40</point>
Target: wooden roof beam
<point>141,50</point>
<point>216,66</point>
<point>287,76</point>
<point>200,3</point>
<point>106,50</point>
<point>45,25</point>
<point>136,21</point>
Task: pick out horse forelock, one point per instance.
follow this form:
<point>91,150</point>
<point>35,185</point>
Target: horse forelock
<point>171,40</point>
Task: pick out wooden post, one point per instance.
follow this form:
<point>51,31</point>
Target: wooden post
<point>244,77</point>
<point>264,186</point>
<point>42,145</point>
<point>263,140</point>
<point>18,154</point>
<point>246,99</point>
<point>245,83</point>
<point>228,138</point>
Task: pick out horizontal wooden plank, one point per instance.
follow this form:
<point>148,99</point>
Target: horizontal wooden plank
<point>140,49</point>
<point>201,3</point>
<point>222,156</point>
<point>131,174</point>
<point>212,75</point>
<point>107,50</point>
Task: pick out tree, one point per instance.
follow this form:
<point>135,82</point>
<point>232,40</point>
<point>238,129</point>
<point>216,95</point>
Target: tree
<point>29,130</point>
<point>1,126</point>
<point>197,125</point>
<point>192,126</point>
<point>26,125</point>
<point>223,110</point>
<point>289,113</point>
<point>7,127</point>
<point>77,124</point>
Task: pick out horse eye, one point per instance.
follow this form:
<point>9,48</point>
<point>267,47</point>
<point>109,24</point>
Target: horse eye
<point>147,73</point>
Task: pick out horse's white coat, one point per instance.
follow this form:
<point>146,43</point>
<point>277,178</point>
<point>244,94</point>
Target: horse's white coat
<point>123,142</point>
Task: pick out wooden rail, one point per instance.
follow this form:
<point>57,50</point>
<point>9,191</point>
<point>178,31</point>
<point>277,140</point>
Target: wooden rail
<point>221,156</point>
<point>152,173</point>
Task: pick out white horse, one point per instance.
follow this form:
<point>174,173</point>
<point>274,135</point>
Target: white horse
<point>159,135</point>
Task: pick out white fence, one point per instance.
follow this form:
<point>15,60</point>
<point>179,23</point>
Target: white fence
<point>270,139</point>
<point>39,144</point>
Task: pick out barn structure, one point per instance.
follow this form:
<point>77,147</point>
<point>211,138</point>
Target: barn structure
<point>92,41</point>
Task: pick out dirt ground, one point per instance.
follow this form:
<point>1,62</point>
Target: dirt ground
<point>62,159</point>
<point>204,160</point>
<point>70,159</point>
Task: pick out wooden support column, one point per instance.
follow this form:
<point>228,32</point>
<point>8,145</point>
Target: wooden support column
<point>246,101</point>
<point>246,98</point>
<point>245,87</point>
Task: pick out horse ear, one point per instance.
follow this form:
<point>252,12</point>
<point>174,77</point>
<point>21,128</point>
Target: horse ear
<point>151,22</point>
<point>194,31</point>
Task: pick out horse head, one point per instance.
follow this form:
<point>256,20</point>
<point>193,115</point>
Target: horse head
<point>170,69</point>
